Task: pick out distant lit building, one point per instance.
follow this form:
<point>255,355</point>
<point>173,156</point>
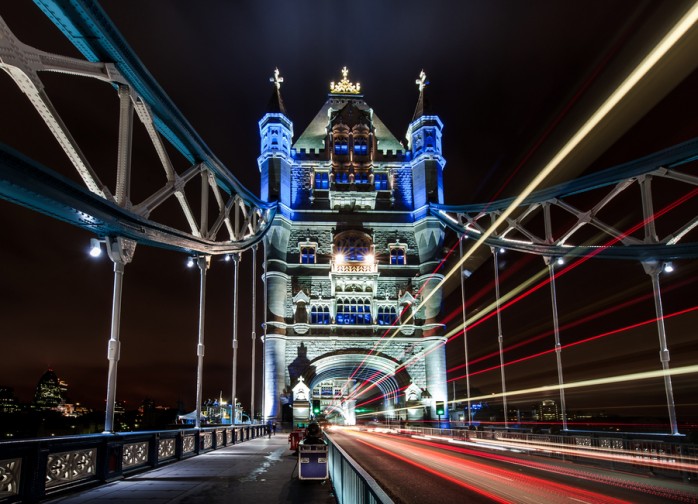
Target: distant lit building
<point>50,391</point>
<point>8,401</point>
<point>548,411</point>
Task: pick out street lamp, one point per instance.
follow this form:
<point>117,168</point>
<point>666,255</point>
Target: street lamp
<point>668,267</point>
<point>95,247</point>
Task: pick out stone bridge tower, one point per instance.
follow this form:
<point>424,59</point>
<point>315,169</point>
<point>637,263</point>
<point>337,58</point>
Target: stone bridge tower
<point>350,256</point>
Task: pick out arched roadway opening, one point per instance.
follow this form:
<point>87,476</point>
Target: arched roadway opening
<point>358,365</point>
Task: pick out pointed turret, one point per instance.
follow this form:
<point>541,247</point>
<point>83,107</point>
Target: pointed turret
<point>276,134</point>
<point>276,103</point>
<point>424,143</point>
<point>423,106</point>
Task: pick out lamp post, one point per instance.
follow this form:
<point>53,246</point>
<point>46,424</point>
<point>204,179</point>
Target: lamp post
<point>500,337</point>
<point>254,323</point>
<point>236,261</point>
<point>463,275</point>
<point>556,330</point>
<point>120,251</point>
<point>203,262</point>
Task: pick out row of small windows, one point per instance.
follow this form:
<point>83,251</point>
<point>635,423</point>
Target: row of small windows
<point>353,251</point>
<point>353,312</point>
<point>380,180</point>
<point>320,315</point>
<point>386,315</point>
<point>341,147</point>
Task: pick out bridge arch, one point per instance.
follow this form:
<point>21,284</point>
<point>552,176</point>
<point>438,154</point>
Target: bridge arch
<point>361,365</point>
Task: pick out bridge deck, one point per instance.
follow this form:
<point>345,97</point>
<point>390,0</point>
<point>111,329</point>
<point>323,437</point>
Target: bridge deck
<point>260,470</point>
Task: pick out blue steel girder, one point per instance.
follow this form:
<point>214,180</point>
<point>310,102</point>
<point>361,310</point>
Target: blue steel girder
<point>532,229</point>
<point>245,217</point>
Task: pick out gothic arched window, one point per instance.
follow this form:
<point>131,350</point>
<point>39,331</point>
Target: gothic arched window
<point>386,315</point>
<point>353,311</point>
<point>307,255</point>
<point>320,315</point>
<point>353,245</point>
<point>397,255</point>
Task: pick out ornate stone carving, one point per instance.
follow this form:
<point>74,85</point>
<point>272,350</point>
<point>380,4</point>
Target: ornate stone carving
<point>67,467</point>
<point>166,448</point>
<point>10,471</point>
<point>134,454</point>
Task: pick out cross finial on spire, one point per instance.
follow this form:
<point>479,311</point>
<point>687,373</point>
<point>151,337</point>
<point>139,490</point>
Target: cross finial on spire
<point>277,80</point>
<point>422,82</point>
<point>345,72</point>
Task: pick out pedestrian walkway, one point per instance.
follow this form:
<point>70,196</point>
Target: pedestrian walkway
<point>259,471</point>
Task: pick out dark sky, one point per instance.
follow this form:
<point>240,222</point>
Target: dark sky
<point>505,76</point>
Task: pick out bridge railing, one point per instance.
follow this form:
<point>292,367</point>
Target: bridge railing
<point>350,482</point>
<point>33,469</point>
<point>628,451</point>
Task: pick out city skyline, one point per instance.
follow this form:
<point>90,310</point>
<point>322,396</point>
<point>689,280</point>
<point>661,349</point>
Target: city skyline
<point>501,76</point>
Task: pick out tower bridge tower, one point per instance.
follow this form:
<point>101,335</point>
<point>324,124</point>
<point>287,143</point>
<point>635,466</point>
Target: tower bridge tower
<point>350,256</point>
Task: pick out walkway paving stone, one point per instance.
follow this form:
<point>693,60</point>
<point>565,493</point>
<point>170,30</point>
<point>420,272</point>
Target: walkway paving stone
<point>259,471</point>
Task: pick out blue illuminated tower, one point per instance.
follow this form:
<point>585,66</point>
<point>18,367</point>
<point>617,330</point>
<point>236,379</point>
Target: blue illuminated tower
<point>351,254</point>
<point>276,132</point>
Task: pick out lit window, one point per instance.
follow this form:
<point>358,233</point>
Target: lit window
<point>351,311</point>
<point>361,178</point>
<point>341,177</point>
<point>322,180</point>
<point>360,147</point>
<point>307,255</point>
<point>386,315</point>
<point>341,147</point>
<point>353,245</point>
<point>381,181</point>
<point>320,315</point>
<point>397,255</point>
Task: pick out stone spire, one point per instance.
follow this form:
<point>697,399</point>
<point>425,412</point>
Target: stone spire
<point>423,106</point>
<point>276,103</point>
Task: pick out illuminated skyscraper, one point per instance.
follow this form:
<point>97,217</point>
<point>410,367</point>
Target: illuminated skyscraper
<point>49,391</point>
<point>351,256</point>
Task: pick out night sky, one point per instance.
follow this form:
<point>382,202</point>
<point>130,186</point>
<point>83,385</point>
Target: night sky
<point>509,80</point>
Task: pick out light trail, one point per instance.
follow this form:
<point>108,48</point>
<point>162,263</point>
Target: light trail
<point>653,57</point>
<point>611,304</point>
<point>582,341</point>
<point>558,274</point>
<point>497,483</point>
<point>634,458</point>
<point>593,382</point>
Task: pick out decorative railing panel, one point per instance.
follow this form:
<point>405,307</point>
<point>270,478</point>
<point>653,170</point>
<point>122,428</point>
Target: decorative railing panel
<point>10,471</point>
<point>69,467</point>
<point>188,444</point>
<point>166,448</point>
<point>206,440</point>
<point>135,454</point>
<point>219,438</point>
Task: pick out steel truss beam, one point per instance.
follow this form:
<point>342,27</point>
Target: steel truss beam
<point>532,229</point>
<point>96,207</point>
